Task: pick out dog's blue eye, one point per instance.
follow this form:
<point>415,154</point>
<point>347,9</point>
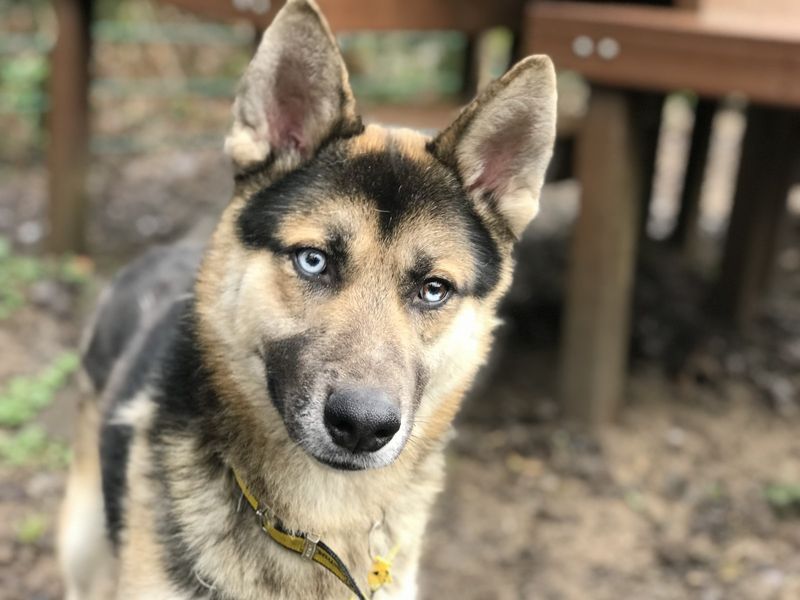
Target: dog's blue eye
<point>310,261</point>
<point>434,291</point>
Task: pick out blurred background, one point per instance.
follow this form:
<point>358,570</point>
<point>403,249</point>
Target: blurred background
<point>636,433</point>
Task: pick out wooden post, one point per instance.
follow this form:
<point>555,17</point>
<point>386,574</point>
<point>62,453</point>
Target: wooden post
<point>68,146</point>
<point>472,65</point>
<point>646,110</point>
<point>769,157</point>
<point>595,336</point>
<point>684,236</point>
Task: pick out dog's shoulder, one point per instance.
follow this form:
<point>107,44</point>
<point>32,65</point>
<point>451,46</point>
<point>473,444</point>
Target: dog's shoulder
<point>135,301</point>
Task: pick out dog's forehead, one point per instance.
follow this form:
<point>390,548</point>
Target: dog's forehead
<point>393,174</point>
<point>383,176</point>
<point>380,190</point>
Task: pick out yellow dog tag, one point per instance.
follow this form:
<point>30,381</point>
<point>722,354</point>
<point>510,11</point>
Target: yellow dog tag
<point>379,574</point>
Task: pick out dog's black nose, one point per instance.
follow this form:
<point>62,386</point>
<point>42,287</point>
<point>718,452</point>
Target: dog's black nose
<point>361,419</point>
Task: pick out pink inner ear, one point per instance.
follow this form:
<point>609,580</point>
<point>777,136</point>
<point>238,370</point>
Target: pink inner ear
<point>286,126</point>
<point>501,156</point>
<point>290,105</point>
<point>497,169</point>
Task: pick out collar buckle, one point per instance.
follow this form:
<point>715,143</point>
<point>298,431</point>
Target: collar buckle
<point>266,515</point>
<point>310,542</point>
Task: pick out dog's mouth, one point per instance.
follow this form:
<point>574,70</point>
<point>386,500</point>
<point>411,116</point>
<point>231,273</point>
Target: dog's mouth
<point>304,417</point>
<point>354,463</point>
<point>321,448</point>
<point>315,441</point>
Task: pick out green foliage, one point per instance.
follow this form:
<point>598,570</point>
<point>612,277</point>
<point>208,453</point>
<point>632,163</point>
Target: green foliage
<point>24,397</point>
<point>784,498</point>
<point>31,529</point>
<point>21,400</point>
<point>30,446</point>
<point>17,272</point>
<point>404,66</point>
<point>21,83</point>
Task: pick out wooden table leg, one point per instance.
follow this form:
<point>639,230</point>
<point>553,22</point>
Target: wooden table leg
<point>684,236</point>
<point>603,254</point>
<point>472,60</point>
<point>647,109</point>
<point>769,157</point>
<point>69,126</point>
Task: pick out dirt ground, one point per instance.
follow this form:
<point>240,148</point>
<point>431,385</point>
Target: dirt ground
<point>673,501</point>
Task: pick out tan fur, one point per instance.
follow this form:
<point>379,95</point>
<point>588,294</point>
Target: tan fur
<point>84,551</point>
<point>375,138</point>
<point>141,572</point>
<point>246,296</point>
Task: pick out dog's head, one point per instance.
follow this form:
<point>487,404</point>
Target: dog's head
<point>350,290</point>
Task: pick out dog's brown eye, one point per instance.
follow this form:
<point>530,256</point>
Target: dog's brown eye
<point>310,261</point>
<point>434,291</point>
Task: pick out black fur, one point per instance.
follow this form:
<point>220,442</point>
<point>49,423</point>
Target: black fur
<point>140,319</point>
<point>188,407</point>
<point>397,185</point>
<point>115,438</point>
<point>155,278</point>
<point>115,441</point>
<point>282,358</point>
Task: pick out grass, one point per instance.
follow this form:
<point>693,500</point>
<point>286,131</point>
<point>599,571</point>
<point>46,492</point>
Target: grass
<point>22,442</point>
<point>18,272</point>
<point>25,396</point>
<point>31,529</point>
<point>784,498</point>
<point>30,446</point>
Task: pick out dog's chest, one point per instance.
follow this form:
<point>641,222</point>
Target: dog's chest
<point>195,540</point>
<point>236,559</point>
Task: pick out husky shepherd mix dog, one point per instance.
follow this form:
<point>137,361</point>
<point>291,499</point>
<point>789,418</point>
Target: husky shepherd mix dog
<point>271,420</point>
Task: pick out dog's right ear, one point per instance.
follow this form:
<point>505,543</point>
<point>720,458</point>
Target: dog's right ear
<point>294,95</point>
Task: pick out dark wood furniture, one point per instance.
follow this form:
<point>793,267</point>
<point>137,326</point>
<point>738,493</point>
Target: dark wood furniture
<point>714,47</point>
<point>469,16</point>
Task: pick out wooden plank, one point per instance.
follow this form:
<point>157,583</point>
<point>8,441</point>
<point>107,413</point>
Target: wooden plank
<point>684,236</point>
<point>647,128</point>
<point>755,7</point>
<point>470,16</point>
<point>596,329</point>
<point>471,69</point>
<point>768,165</point>
<point>659,48</point>
<point>68,124</point>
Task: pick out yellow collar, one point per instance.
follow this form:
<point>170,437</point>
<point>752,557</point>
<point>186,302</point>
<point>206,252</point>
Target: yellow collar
<point>309,546</point>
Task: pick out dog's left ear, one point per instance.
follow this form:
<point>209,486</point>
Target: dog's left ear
<point>501,144</point>
<point>295,93</point>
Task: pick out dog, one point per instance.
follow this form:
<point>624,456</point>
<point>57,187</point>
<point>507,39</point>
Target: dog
<point>268,414</point>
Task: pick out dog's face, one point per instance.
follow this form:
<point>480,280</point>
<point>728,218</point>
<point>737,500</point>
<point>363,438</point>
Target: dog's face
<point>350,290</point>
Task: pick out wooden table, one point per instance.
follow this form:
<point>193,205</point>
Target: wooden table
<point>469,16</point>
<point>715,48</point>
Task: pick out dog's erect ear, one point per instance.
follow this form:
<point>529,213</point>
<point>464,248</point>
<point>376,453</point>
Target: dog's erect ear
<point>501,143</point>
<point>294,94</point>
